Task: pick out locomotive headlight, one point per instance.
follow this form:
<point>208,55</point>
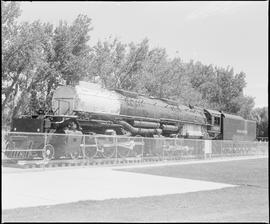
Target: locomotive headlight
<point>15,129</point>
<point>38,130</point>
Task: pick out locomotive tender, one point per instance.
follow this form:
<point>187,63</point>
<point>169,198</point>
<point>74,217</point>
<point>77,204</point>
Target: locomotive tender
<point>98,110</point>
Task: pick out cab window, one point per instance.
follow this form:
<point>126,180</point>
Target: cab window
<point>217,121</point>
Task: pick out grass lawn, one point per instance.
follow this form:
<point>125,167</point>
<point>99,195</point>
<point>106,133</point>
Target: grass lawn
<point>247,202</point>
<point>240,172</point>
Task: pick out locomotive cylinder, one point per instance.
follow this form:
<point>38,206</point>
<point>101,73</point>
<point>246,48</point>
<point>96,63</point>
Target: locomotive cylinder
<point>145,124</point>
<point>171,128</point>
<point>140,131</point>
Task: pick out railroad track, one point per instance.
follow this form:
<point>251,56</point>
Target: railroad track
<point>89,162</point>
<point>67,162</point>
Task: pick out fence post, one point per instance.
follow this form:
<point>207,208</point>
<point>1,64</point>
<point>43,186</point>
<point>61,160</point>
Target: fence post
<point>163,156</point>
<point>207,148</point>
<point>116,149</point>
<point>221,148</point>
<point>44,150</point>
<point>143,145</point>
<point>4,144</point>
<point>196,151</point>
<point>175,150</point>
<point>201,148</point>
<point>205,143</point>
<point>83,148</point>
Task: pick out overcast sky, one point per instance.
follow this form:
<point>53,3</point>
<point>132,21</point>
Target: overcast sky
<point>220,33</point>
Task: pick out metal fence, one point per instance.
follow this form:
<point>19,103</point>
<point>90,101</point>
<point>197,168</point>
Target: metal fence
<point>40,146</point>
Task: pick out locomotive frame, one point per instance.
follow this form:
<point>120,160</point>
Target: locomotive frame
<point>95,110</point>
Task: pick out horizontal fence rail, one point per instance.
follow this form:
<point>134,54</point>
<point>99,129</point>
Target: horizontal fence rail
<point>74,146</point>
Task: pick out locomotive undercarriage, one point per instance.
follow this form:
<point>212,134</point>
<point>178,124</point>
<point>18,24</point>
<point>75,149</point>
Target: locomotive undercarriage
<point>87,140</point>
<point>104,147</point>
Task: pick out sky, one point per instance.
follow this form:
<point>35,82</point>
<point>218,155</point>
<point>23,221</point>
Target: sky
<point>223,34</point>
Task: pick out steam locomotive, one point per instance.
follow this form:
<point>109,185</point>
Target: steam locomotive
<point>89,109</point>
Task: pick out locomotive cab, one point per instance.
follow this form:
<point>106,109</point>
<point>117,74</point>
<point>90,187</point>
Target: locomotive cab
<point>214,123</point>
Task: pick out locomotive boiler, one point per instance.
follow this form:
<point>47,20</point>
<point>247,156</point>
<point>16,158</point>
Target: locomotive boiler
<point>127,113</point>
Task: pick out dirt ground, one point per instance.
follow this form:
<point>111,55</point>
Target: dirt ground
<point>246,203</point>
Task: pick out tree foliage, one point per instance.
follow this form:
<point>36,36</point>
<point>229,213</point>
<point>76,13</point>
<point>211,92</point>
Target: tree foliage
<point>38,57</point>
<point>261,117</point>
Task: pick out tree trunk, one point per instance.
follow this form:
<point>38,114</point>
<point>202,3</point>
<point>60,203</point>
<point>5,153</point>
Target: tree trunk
<point>9,91</point>
<point>20,102</point>
<point>24,94</point>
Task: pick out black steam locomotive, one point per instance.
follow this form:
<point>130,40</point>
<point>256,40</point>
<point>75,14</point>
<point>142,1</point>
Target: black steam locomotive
<point>89,109</point>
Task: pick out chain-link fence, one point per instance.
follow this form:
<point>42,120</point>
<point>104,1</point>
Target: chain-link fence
<point>49,146</point>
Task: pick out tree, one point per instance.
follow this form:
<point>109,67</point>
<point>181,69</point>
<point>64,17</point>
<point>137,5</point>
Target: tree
<point>261,117</point>
<point>36,59</point>
<point>155,73</point>
<point>68,55</point>
<point>130,72</point>
<point>71,51</point>
<point>10,13</point>
<point>22,61</point>
<point>244,105</point>
<point>221,88</point>
<point>117,64</point>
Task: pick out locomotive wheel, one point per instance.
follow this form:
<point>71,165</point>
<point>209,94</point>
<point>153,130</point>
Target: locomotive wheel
<point>28,155</point>
<point>90,152</point>
<point>10,146</point>
<point>167,152</point>
<point>138,148</point>
<point>48,152</point>
<point>136,152</point>
<point>122,152</point>
<point>156,148</point>
<point>178,153</point>
<point>108,152</point>
<point>74,155</point>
